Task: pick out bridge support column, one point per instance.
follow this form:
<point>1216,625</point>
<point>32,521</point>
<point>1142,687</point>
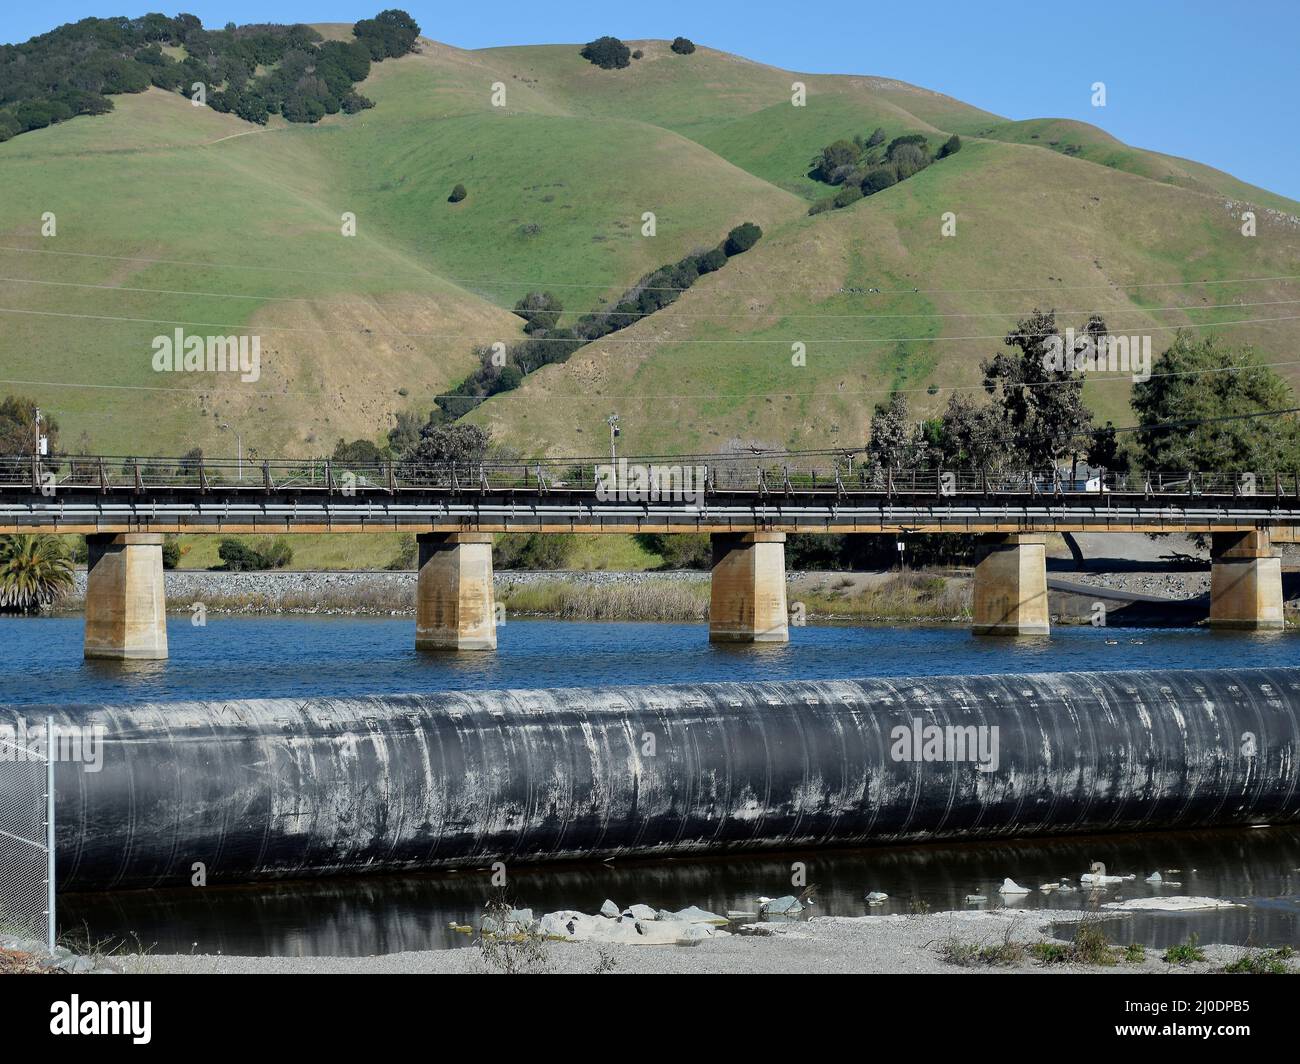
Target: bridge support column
<point>454,607</point>
<point>1245,582</point>
<point>126,604</point>
<point>747,597</point>
<point>1010,594</point>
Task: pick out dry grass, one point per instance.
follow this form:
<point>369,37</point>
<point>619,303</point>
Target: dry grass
<point>643,601</point>
<point>904,596</point>
<point>15,962</point>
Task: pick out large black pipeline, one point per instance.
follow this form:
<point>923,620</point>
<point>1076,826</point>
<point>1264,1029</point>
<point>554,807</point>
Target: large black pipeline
<point>282,788</point>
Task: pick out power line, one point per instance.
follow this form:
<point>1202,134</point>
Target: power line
<point>371,304</point>
<point>489,282</point>
<point>1121,378</point>
<point>607,339</point>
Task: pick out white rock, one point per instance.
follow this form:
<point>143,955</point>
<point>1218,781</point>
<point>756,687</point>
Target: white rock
<point>639,912</point>
<point>1155,877</point>
<point>972,899</point>
<point>876,897</point>
<point>692,914</point>
<point>1010,886</point>
<point>1177,903</point>
<point>610,910</point>
<point>783,906</point>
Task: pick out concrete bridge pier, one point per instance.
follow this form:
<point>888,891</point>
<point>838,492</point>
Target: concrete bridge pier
<point>454,607</point>
<point>126,604</point>
<point>1010,593</point>
<point>1245,582</point>
<point>747,594</point>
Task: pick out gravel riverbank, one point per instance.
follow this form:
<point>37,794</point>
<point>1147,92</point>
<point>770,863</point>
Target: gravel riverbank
<point>827,945</point>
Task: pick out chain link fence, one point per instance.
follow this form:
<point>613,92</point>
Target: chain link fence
<point>27,833</point>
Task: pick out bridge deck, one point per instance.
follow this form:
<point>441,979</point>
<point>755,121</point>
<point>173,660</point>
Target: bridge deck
<point>689,494</point>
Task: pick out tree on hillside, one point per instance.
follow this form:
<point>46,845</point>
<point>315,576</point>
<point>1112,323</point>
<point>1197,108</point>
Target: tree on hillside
<point>389,34</point>
<point>1107,451</point>
<point>950,147</point>
<point>1199,379</point>
<point>18,426</point>
<point>835,161</point>
<point>1042,407</point>
<point>683,45</point>
<point>405,433</point>
<point>541,310</point>
<point>909,159</point>
<point>458,193</point>
<point>742,238</point>
<point>891,433</point>
<point>878,179</point>
<point>358,452</point>
<point>440,444</point>
<point>608,53</point>
<point>972,435</point>
<point>251,71</point>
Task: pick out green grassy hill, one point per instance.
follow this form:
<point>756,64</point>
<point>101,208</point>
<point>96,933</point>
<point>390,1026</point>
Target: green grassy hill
<point>170,214</point>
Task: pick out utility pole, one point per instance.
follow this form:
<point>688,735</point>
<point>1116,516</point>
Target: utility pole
<point>614,433</point>
<point>239,449</point>
<point>42,442</point>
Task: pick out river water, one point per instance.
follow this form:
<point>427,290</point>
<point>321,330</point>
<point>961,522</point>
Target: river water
<point>233,657</point>
<point>285,657</point>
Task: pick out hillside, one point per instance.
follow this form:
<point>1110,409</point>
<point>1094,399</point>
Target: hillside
<point>168,215</point>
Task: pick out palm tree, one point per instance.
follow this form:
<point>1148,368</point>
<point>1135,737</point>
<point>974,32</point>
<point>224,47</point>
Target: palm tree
<point>35,571</point>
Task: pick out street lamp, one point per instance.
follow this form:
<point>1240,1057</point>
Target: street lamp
<point>239,448</point>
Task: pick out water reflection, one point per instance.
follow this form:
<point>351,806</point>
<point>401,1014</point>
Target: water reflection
<point>389,914</point>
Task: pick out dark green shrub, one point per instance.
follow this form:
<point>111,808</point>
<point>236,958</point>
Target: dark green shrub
<point>541,310</point>
<point>638,54</point>
<point>711,260</point>
<point>914,139</point>
<point>608,53</point>
<point>532,550</point>
<point>683,45</point>
<point>457,194</point>
<point>681,551</point>
<point>171,552</point>
<point>238,555</point>
<point>950,147</point>
<point>848,194</point>
<point>909,159</point>
<point>267,553</point>
<point>878,180</point>
<point>742,238</point>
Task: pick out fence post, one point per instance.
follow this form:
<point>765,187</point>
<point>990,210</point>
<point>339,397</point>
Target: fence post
<point>49,829</point>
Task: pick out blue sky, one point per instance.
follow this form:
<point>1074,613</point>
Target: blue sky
<point>1212,81</point>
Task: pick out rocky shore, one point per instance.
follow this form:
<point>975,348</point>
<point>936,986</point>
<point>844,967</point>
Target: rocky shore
<point>831,945</point>
<point>359,592</point>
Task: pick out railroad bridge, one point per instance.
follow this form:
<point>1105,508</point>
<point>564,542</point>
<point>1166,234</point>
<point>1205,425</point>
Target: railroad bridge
<point>746,503</point>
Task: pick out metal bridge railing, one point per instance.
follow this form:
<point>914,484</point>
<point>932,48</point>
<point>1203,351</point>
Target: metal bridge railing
<point>27,877</point>
<point>761,474</point>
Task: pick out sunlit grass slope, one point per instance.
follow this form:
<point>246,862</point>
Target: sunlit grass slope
<point>169,214</point>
